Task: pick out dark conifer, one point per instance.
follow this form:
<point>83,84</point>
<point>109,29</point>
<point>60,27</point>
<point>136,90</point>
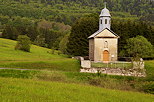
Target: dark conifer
<point>78,40</point>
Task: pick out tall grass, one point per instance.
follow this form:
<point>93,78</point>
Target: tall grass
<point>19,90</point>
<point>28,74</point>
<point>105,81</point>
<point>149,66</point>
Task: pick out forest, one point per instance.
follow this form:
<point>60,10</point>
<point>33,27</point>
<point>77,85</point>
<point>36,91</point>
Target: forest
<point>52,23</point>
<point>69,10</point>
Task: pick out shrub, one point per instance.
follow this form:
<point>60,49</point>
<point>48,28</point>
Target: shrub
<point>148,87</point>
<point>139,47</point>
<point>23,43</point>
<point>150,78</point>
<point>95,81</point>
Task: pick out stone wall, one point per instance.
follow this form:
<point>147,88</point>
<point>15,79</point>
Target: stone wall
<point>85,64</point>
<point>137,70</point>
<point>117,71</point>
<point>138,65</point>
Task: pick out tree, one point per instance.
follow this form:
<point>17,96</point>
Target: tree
<point>23,43</point>
<point>127,29</point>
<point>40,41</point>
<point>138,47</point>
<point>33,32</point>
<point>78,40</point>
<point>63,44</point>
<point>10,32</point>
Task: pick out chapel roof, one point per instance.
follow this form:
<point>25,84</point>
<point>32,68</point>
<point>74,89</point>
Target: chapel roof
<point>105,12</point>
<point>99,31</point>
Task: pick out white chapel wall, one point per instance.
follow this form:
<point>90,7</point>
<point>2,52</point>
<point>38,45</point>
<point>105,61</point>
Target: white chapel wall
<point>99,48</point>
<point>91,49</point>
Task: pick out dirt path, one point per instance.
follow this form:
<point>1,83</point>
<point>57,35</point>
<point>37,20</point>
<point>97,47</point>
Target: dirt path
<point>16,68</point>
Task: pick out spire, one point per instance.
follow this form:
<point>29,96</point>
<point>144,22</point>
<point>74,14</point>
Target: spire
<point>105,18</point>
<point>104,4</point>
<point>105,11</point>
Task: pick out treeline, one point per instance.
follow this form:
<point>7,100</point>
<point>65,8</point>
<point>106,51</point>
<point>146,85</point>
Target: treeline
<point>74,41</point>
<point>86,26</point>
<point>37,10</point>
<point>41,33</point>
<point>38,20</point>
<point>130,29</point>
<point>68,11</point>
<point>137,7</point>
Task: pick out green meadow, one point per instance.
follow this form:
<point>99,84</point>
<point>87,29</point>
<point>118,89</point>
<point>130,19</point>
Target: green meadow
<point>56,78</point>
<point>38,58</point>
<point>112,65</point>
<point>19,90</point>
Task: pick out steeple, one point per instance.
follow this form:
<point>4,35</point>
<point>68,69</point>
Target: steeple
<point>105,18</point>
<point>104,4</point>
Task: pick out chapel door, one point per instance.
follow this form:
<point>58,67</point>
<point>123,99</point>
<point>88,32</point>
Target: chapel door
<point>105,56</point>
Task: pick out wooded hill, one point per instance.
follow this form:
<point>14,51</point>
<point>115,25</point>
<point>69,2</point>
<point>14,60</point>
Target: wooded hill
<point>48,22</point>
<point>69,10</point>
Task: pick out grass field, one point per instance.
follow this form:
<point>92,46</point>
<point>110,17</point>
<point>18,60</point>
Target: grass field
<point>105,81</point>
<point>19,90</point>
<point>38,58</point>
<point>149,66</point>
<point>112,65</point>
<point>50,73</point>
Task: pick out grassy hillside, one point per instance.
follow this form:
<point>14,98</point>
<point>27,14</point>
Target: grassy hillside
<point>41,58</point>
<point>39,91</point>
<point>62,69</point>
<point>38,58</point>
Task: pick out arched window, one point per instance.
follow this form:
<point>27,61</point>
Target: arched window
<point>105,44</point>
<point>105,21</point>
<point>101,21</point>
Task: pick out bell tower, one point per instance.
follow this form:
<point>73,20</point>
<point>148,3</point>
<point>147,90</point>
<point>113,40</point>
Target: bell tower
<point>105,19</point>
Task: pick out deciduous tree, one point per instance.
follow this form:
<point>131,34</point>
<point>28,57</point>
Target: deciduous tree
<point>23,43</point>
<point>138,47</point>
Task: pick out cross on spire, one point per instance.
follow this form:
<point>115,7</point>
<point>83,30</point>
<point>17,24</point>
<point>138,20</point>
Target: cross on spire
<point>105,4</point>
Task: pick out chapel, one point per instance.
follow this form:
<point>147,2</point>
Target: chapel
<point>103,44</point>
